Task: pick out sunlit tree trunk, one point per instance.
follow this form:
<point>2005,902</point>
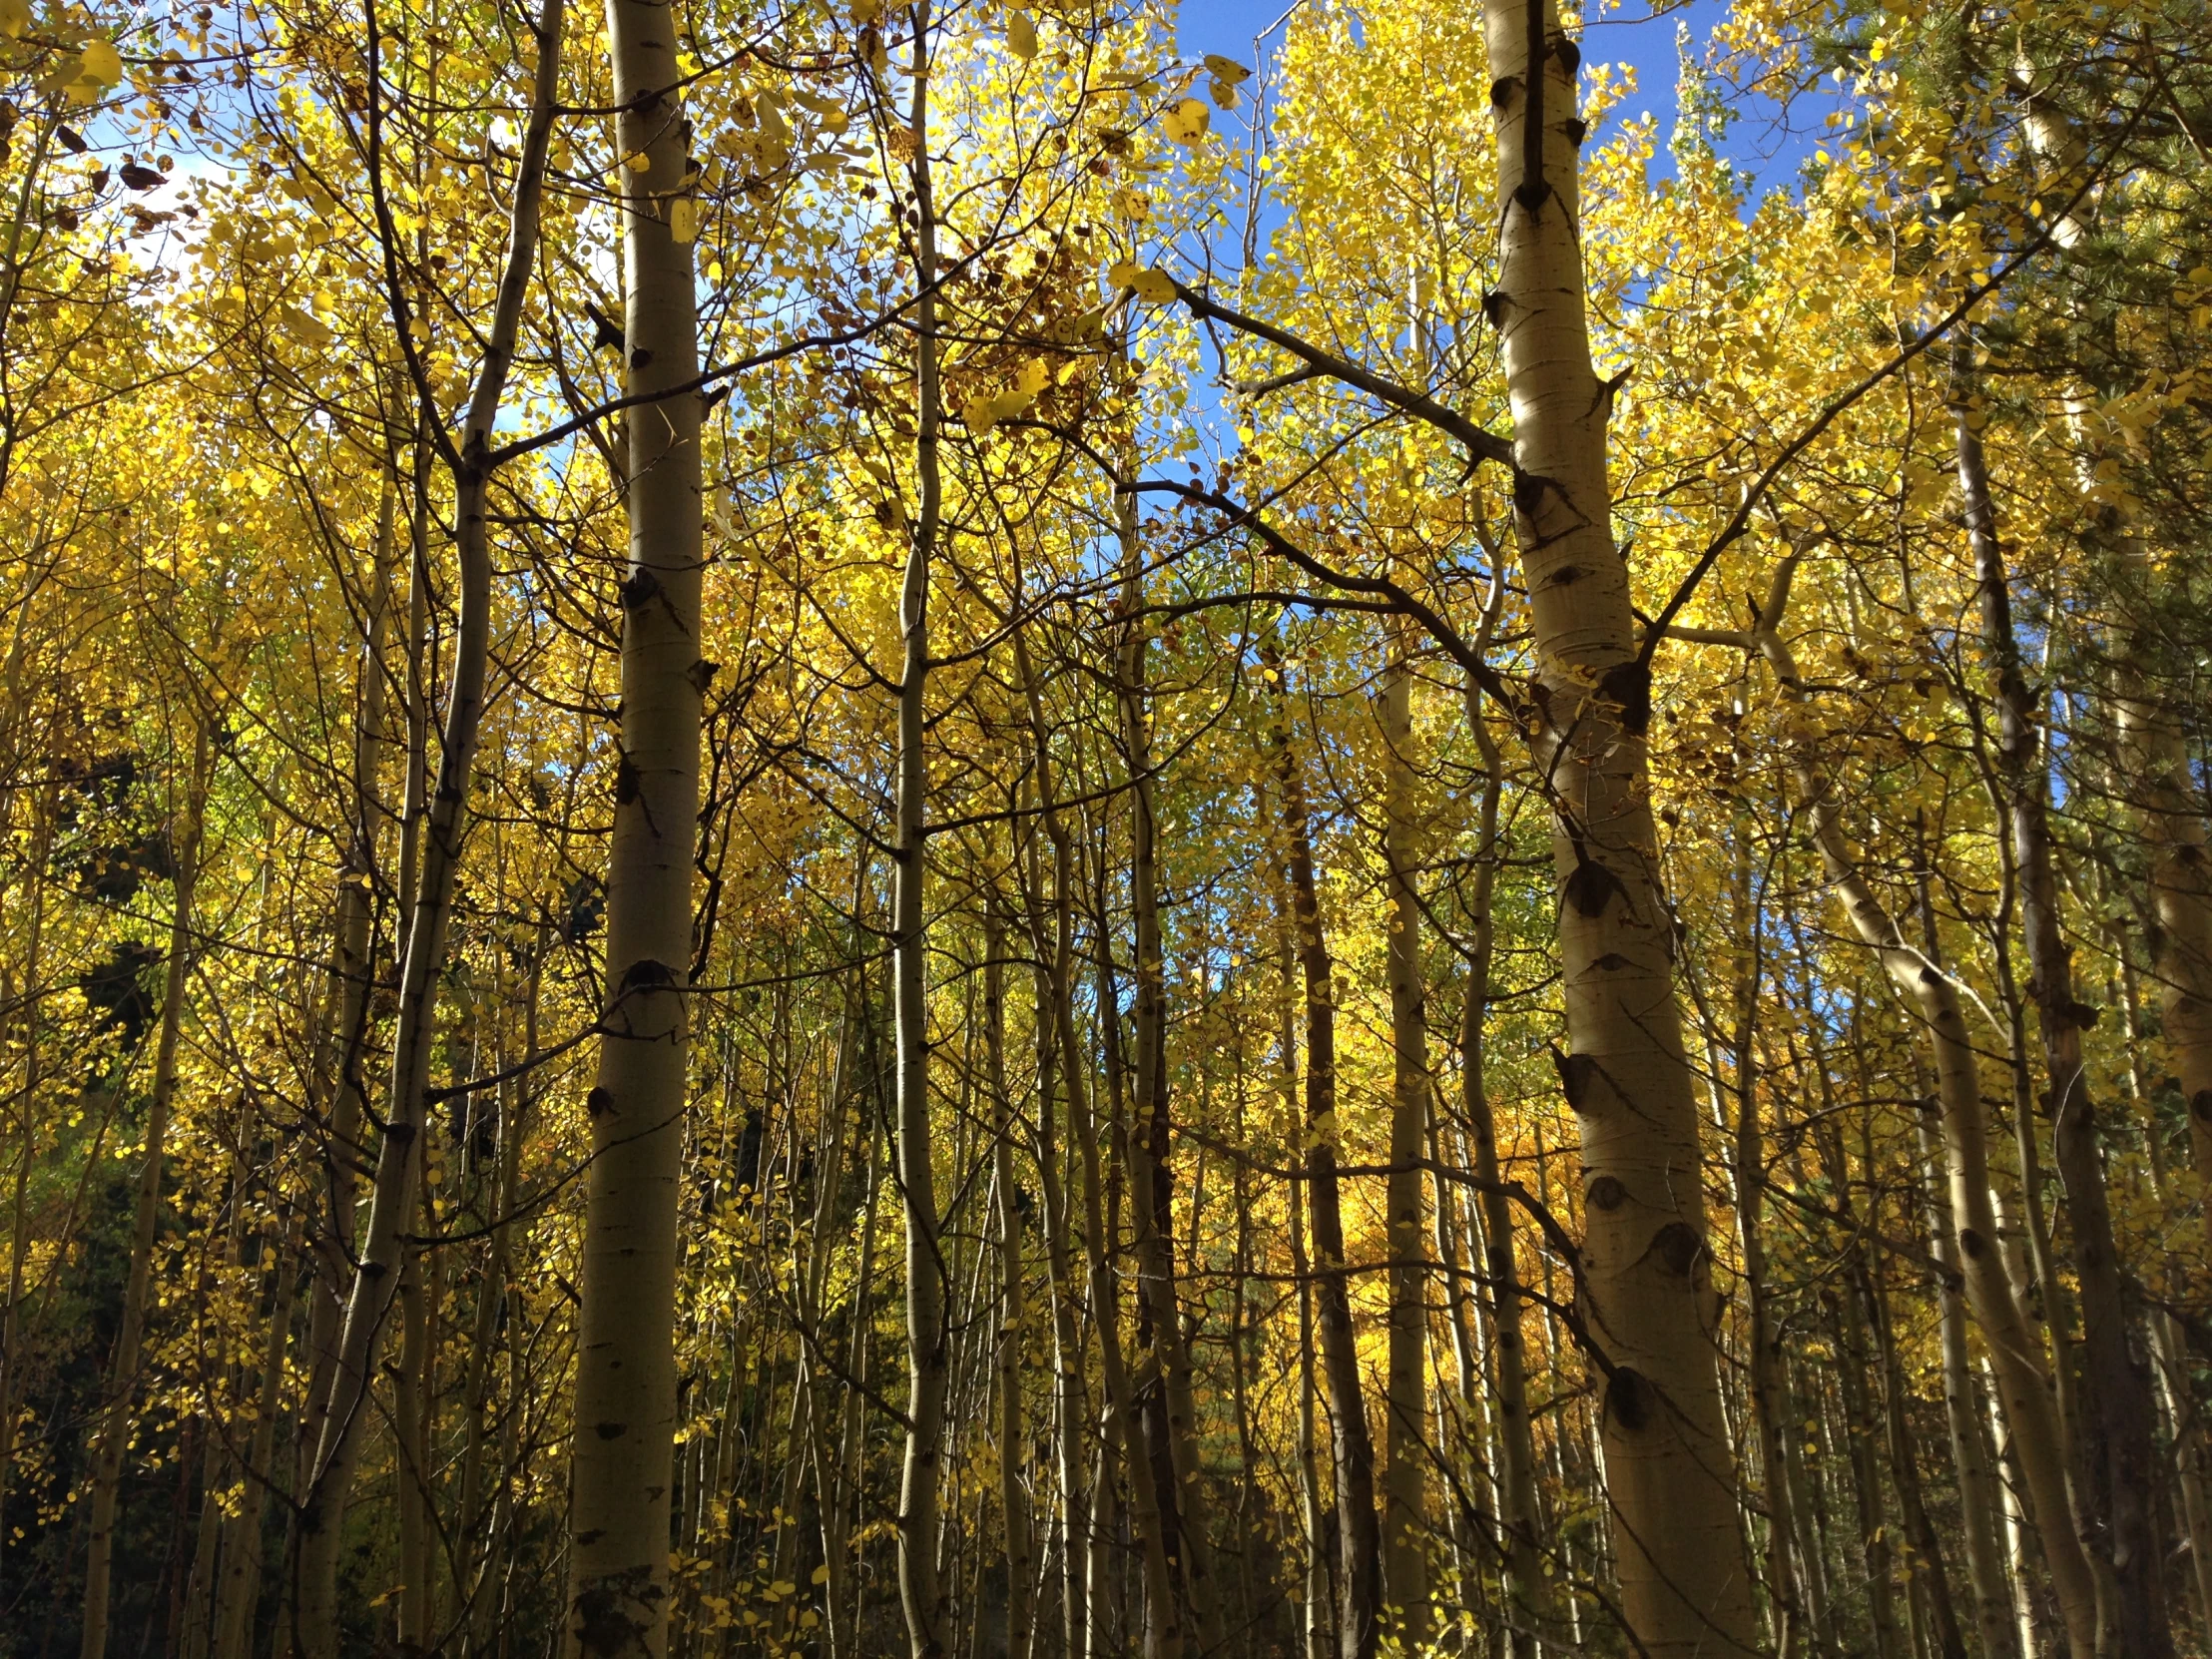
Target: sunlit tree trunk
<point>118,1421</point>
<point>1685,1585</point>
<point>1978,1484</point>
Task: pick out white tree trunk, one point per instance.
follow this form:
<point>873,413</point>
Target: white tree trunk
<point>1685,1586</point>
<point>625,1405</point>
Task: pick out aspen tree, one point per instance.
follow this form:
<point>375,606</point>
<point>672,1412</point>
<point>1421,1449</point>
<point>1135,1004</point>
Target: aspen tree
<point>1359,1541</point>
<point>396,1183</point>
<point>1978,1484</point>
<point>2117,1406</point>
<point>1764,1342</point>
<point>1164,1620</point>
<point>920,1595</point>
<point>1059,1064</point>
<point>1404,1539</point>
<point>625,1403</point>
<point>1520,1507</point>
<point>2015,1351</point>
<point>118,1421</point>
<point>1147,1143</point>
<point>1013,1497</point>
<point>1684,1583</point>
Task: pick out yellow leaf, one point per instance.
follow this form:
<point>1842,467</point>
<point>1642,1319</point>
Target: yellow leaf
<point>1153,287</point>
<point>683,219</point>
<point>1132,205</point>
<point>638,163</point>
<point>1123,274</point>
<point>1224,93</point>
<point>15,17</point>
<point>101,62</point>
<point>1227,69</point>
<point>1021,36</point>
<point>307,326</point>
<point>821,1574</point>
<point>1187,123</point>
<point>978,414</point>
<point>1035,375</point>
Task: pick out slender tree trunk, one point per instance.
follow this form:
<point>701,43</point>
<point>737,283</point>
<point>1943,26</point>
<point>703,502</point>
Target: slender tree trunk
<point>1013,1437</point>
<point>1978,1483</point>
<point>1358,1537</point>
<point>2013,1344</point>
<point>1314,1621</point>
<point>118,1421</point>
<point>1935,998</point>
<point>1056,1070</point>
<point>2117,1410</point>
<point>340,1077</point>
<point>921,1594</point>
<point>1861,1430</point>
<point>399,1162</point>
<point>1148,1145</point>
<point>1405,1482</point>
<point>1685,1586</point>
<point>1762,1341</point>
<point>474,1561</point>
<point>1520,1508</point>
<point>1925,1556</point>
<point>1164,1619</point>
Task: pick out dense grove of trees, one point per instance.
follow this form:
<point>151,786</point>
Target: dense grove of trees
<point>902,828</point>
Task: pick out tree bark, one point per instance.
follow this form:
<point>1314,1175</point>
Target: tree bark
<point>920,1595</point>
<point>1685,1586</point>
<point>1978,1484</point>
<point>1162,1603</point>
<point>625,1403</point>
